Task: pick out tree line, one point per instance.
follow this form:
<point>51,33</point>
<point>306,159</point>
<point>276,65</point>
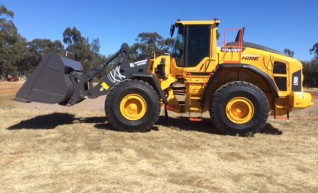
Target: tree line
<point>19,56</point>
<point>310,68</point>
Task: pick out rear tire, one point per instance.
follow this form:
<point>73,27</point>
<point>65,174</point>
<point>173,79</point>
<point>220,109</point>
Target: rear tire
<point>239,108</point>
<point>132,105</point>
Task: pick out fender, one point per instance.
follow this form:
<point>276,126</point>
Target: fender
<point>150,78</point>
<point>207,95</point>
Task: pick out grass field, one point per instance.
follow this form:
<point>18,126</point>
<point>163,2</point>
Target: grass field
<point>58,150</point>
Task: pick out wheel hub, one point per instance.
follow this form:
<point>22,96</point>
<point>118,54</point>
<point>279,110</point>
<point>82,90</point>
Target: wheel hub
<point>240,110</point>
<point>133,107</point>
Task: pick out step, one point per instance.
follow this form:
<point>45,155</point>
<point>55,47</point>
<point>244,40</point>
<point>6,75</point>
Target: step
<point>179,93</point>
<point>282,118</point>
<point>178,87</point>
<point>195,98</point>
<point>195,119</point>
<point>195,109</point>
<point>181,103</point>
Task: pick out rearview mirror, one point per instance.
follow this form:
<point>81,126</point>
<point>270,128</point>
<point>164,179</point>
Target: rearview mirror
<point>172,28</point>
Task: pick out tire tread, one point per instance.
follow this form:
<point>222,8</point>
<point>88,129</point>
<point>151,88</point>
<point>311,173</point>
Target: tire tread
<point>123,85</point>
<point>226,90</point>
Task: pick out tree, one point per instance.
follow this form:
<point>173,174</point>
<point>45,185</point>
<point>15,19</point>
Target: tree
<point>12,45</point>
<point>314,50</point>
<point>95,46</point>
<point>288,52</point>
<point>310,71</point>
<point>147,42</point>
<point>78,45</point>
<point>36,49</point>
<point>72,36</point>
<point>43,46</point>
<point>310,68</point>
<point>168,43</point>
<point>85,52</point>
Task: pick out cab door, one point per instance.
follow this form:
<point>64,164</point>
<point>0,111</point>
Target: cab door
<point>197,45</point>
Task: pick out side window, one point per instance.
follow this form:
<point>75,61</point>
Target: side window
<point>198,44</point>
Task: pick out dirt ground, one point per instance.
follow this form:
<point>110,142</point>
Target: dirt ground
<point>9,87</point>
<point>50,148</point>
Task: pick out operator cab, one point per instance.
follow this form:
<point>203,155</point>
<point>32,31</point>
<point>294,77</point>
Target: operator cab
<point>192,42</point>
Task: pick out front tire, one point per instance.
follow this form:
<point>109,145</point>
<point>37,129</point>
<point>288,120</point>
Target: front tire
<point>132,105</point>
<point>239,108</point>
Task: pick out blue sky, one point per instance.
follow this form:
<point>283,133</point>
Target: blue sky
<point>278,24</point>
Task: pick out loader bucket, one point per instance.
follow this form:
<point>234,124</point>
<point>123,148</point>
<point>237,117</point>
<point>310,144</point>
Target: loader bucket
<point>50,81</point>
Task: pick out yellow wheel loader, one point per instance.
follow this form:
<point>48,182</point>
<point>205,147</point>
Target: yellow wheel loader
<point>239,83</point>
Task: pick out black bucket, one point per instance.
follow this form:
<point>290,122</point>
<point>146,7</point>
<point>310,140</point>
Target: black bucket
<point>50,81</point>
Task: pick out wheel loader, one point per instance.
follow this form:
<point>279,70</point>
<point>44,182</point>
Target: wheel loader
<point>239,83</point>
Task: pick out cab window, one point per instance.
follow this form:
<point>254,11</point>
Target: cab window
<point>197,44</point>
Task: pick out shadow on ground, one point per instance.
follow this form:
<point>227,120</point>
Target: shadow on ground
<point>183,123</point>
<point>205,126</point>
<point>270,130</point>
<point>51,121</point>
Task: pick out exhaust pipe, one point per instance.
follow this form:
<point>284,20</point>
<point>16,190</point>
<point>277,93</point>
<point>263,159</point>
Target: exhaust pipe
<point>50,82</point>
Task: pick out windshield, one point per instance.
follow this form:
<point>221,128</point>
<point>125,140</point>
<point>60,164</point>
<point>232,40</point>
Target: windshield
<point>178,47</point>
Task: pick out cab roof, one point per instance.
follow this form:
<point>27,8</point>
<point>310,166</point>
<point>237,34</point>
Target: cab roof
<point>202,22</point>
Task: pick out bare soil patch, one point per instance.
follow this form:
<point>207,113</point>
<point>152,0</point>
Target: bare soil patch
<point>9,87</point>
<point>313,92</point>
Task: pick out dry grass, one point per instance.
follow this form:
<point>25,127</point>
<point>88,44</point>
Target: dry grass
<point>76,151</point>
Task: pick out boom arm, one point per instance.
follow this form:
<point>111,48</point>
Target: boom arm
<point>80,81</point>
<point>98,69</point>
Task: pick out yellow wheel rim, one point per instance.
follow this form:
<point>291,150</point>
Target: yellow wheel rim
<point>240,110</point>
<point>133,107</point>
